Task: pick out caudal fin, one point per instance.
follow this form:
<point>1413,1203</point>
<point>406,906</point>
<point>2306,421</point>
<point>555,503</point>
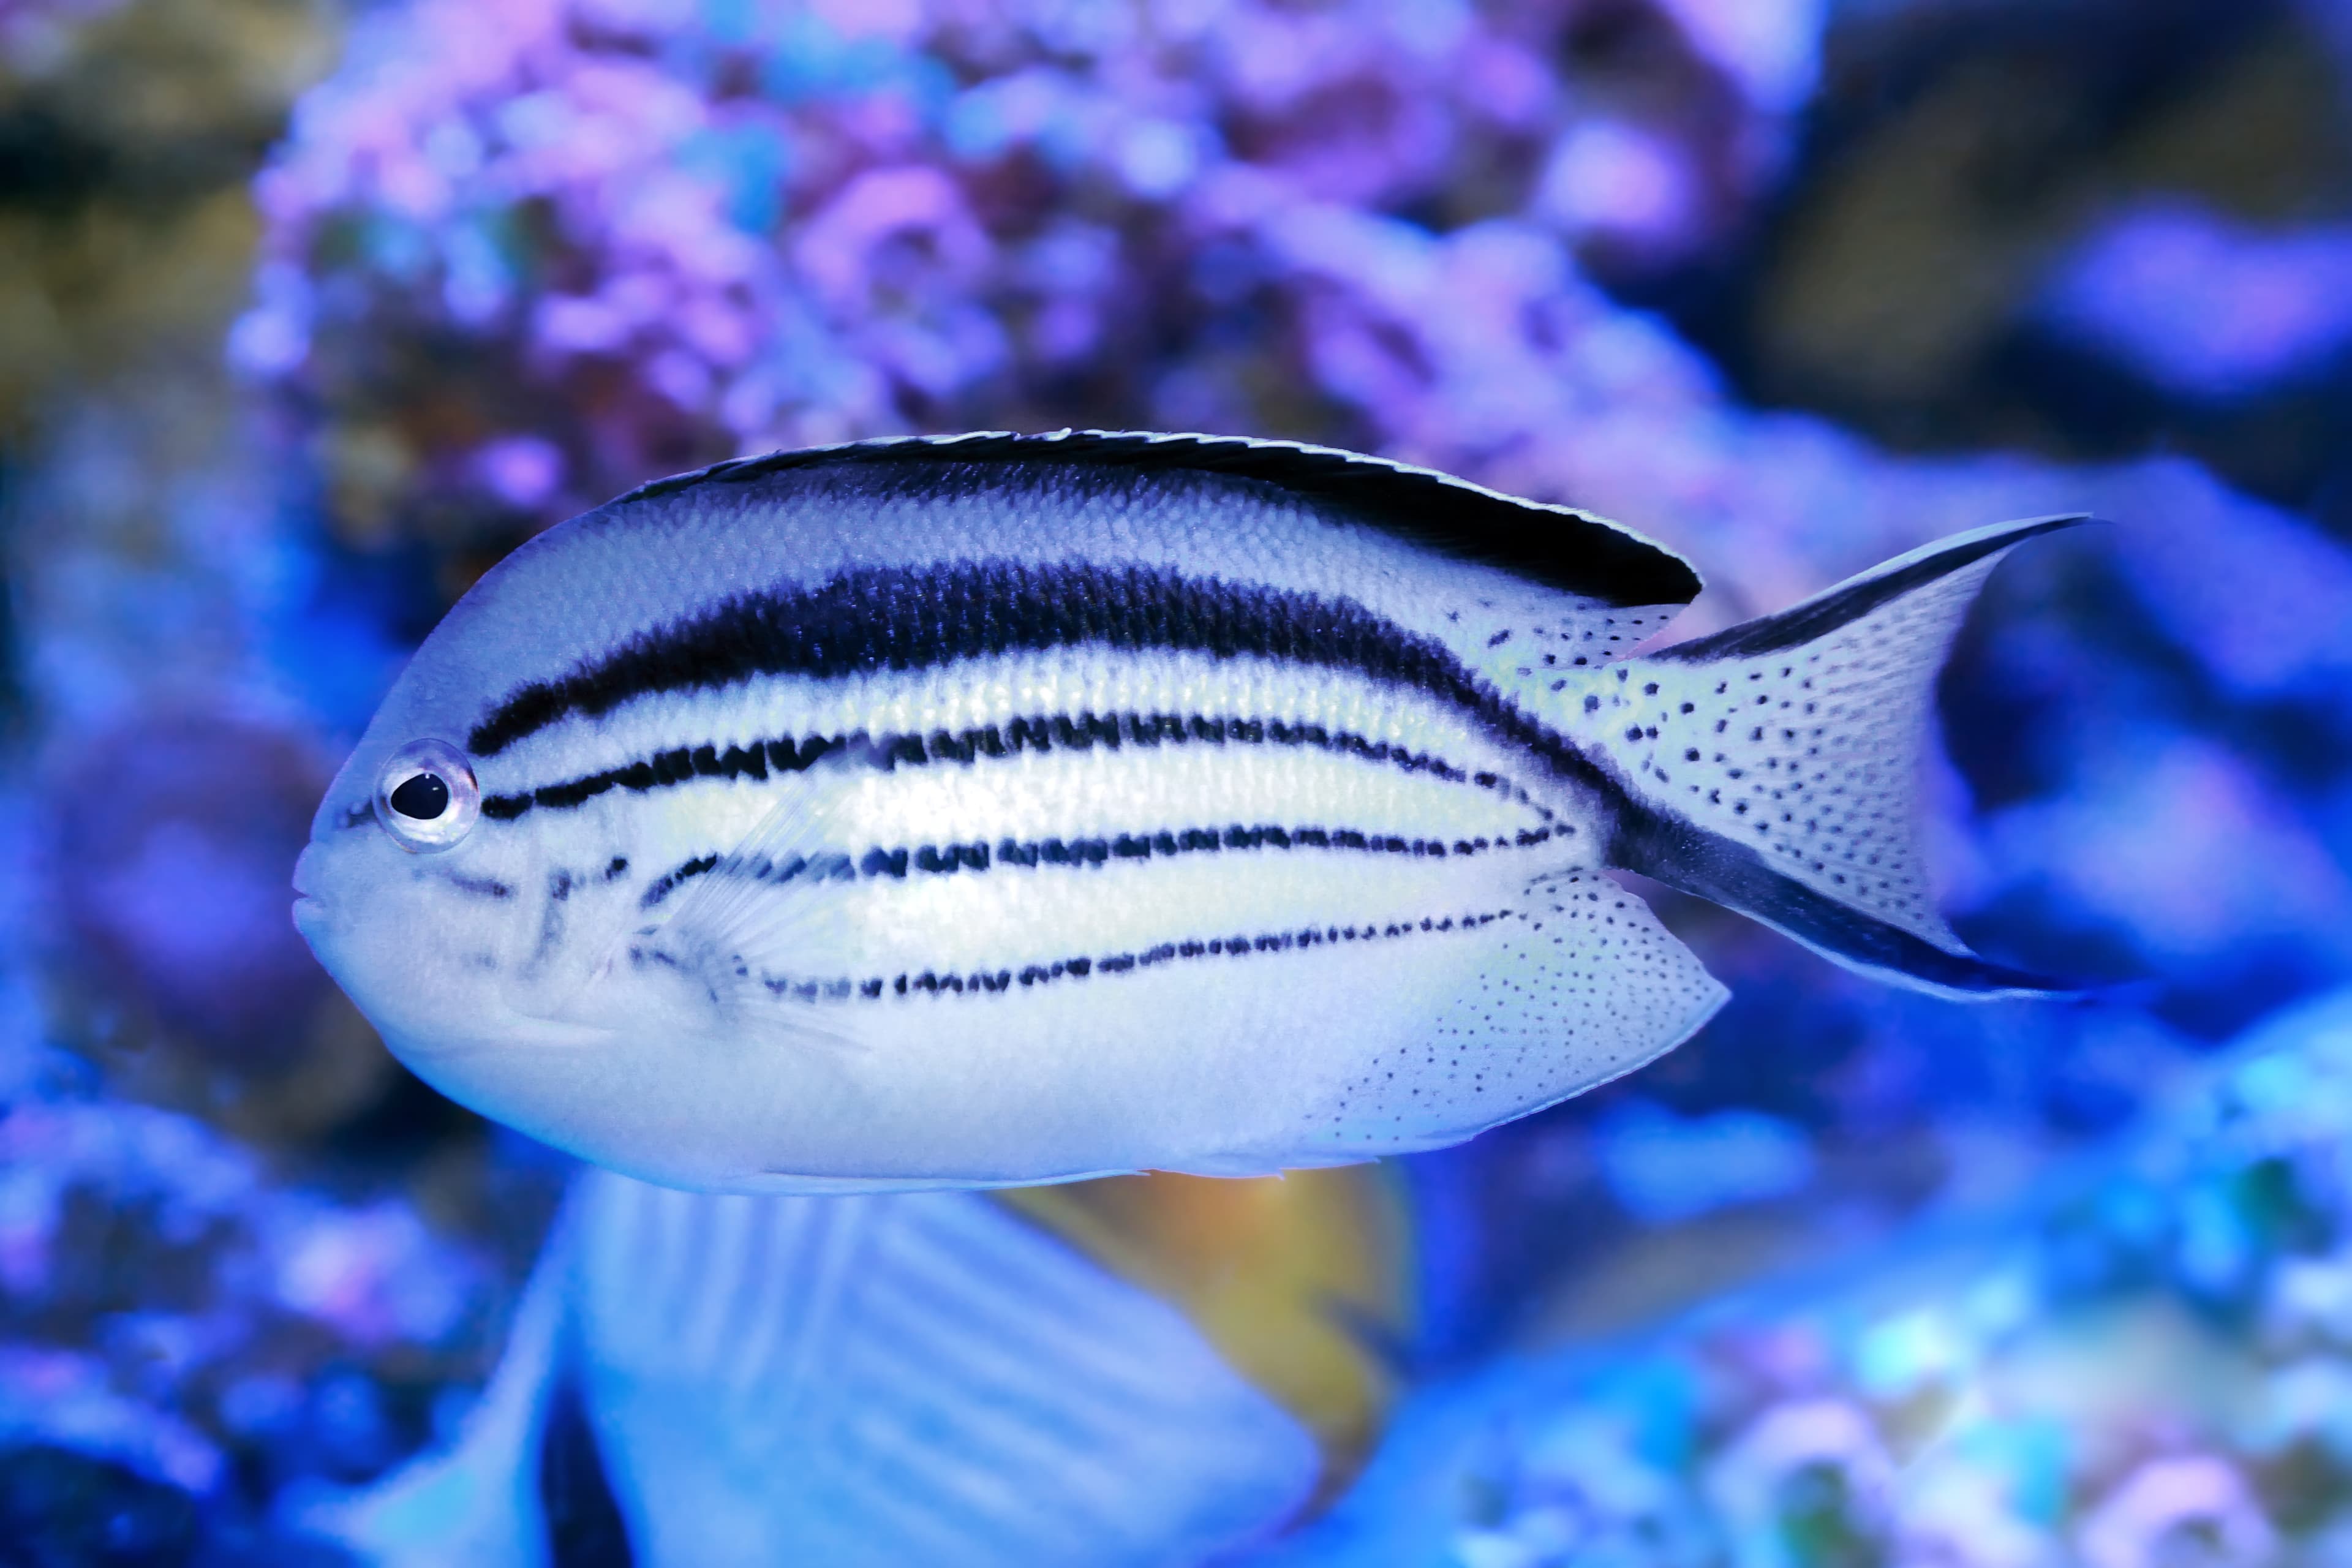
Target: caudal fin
<point>1774,768</point>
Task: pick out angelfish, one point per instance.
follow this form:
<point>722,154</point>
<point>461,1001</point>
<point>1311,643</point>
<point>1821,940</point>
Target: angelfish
<point>1131,1373</point>
<point>997,809</point>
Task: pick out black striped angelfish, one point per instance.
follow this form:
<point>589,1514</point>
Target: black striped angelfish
<point>1000,809</point>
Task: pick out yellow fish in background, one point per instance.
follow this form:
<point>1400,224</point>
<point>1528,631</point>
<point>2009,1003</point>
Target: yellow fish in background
<point>1303,1284</point>
<point>1146,1369</point>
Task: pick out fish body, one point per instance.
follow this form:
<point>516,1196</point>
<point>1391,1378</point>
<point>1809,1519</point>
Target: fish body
<point>996,809</point>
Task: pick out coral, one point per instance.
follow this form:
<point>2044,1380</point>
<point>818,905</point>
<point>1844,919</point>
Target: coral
<point>610,240</point>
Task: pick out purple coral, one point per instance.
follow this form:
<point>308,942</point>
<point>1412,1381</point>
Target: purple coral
<point>672,237</point>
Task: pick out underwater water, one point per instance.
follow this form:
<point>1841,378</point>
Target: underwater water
<point>309,313</point>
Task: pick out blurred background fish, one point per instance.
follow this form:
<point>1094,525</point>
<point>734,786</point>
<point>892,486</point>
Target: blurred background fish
<point>1148,1369</point>
<point>312,312</point>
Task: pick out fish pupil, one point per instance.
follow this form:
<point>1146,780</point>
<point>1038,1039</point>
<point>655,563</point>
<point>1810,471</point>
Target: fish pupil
<point>422,796</point>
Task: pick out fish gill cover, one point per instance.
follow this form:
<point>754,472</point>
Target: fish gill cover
<point>1790,288</point>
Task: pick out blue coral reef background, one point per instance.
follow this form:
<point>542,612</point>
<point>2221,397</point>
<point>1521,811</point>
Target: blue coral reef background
<point>308,311</point>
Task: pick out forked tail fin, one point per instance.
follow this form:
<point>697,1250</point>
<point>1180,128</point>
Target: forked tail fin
<point>1774,768</point>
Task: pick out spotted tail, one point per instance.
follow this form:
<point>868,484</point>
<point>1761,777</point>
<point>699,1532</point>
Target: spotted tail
<point>1774,768</point>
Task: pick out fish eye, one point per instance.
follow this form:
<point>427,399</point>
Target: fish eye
<point>426,797</point>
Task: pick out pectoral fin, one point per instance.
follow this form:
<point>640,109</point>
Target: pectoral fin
<point>757,934</point>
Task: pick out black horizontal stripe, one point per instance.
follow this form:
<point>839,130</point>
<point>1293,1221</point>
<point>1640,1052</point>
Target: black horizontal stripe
<point>1042,733</point>
<point>992,981</point>
<point>902,618</point>
<point>979,854</point>
<point>674,766</point>
<point>667,882</point>
<point>835,866</point>
<point>1573,551</point>
<point>1168,842</point>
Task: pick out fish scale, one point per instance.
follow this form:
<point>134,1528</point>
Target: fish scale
<point>970,811</point>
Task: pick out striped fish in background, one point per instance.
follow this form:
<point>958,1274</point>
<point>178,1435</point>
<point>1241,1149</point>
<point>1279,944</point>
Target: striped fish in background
<point>1138,1371</point>
<point>1006,809</point>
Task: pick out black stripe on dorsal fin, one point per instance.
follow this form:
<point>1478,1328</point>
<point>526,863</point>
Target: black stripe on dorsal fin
<point>1559,547</point>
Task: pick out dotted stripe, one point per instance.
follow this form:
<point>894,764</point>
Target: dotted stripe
<point>985,982</point>
<point>979,855</point>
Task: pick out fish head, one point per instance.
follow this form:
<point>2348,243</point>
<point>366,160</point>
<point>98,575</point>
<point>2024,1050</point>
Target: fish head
<point>423,910</point>
<point>482,946</point>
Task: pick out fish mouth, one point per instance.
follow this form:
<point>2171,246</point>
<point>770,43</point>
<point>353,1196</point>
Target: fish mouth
<point>310,916</point>
<point>309,909</point>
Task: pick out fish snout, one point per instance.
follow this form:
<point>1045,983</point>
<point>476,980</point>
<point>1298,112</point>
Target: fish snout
<point>307,908</point>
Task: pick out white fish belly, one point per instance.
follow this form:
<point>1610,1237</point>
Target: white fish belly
<point>1212,1059</point>
<point>1337,1044</point>
<point>1132,993</point>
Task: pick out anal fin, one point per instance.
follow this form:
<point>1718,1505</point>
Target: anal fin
<point>1585,987</point>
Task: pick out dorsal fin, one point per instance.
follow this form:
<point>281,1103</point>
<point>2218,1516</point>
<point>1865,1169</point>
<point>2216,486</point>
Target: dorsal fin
<point>1559,547</point>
